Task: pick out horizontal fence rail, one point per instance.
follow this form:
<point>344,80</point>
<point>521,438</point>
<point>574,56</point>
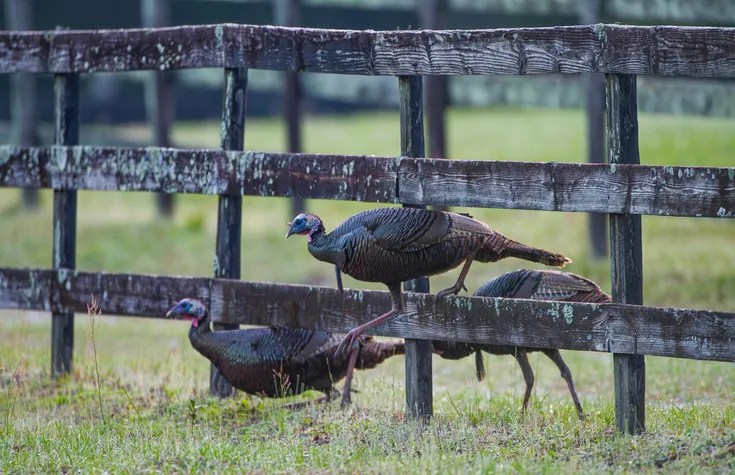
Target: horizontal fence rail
<point>552,186</point>
<point>604,48</point>
<point>616,328</point>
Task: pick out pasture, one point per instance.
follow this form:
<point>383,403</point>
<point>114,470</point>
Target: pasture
<point>137,400</point>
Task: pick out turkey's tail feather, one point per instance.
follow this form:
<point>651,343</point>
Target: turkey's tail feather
<point>479,365</point>
<point>521,251</point>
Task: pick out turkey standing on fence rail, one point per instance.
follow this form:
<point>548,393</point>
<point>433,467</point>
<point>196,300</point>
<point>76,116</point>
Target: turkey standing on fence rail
<point>534,285</point>
<point>279,362</point>
<point>393,245</point>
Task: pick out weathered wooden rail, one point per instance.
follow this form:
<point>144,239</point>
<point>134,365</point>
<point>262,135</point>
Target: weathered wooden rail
<point>616,328</point>
<point>624,189</point>
<point>553,186</point>
<point>618,49</point>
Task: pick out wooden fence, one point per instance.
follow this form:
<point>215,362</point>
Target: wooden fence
<point>624,189</point>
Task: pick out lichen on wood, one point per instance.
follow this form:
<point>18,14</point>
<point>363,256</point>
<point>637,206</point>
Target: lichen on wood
<point>618,328</point>
<point>662,50</point>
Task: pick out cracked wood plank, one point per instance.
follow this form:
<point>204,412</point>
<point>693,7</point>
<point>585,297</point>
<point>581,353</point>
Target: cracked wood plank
<point>357,178</point>
<point>623,49</point>
<point>617,328</point>
<point>552,186</point>
<point>583,187</point>
<point>626,251</point>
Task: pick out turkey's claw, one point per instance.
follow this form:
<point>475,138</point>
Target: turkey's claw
<point>453,290</point>
<point>353,336</point>
<point>350,340</point>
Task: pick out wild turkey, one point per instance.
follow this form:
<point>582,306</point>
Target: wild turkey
<point>278,362</point>
<point>392,245</point>
<point>535,285</point>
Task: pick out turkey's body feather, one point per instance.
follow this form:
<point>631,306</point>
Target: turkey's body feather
<point>397,244</point>
<point>277,362</point>
<point>526,284</point>
<point>543,285</point>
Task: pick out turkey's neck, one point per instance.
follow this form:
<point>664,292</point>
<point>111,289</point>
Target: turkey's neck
<point>202,339</point>
<point>323,247</point>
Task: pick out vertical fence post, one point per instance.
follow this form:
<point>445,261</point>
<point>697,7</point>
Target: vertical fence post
<point>287,13</point>
<point>418,352</point>
<point>66,132</point>
<point>159,100</point>
<point>590,12</point>
<point>229,212</point>
<point>435,90</point>
<point>626,252</point>
<point>23,103</point>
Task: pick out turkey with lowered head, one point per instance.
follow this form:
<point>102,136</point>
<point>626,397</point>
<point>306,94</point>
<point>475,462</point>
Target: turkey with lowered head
<point>279,362</point>
<point>534,285</point>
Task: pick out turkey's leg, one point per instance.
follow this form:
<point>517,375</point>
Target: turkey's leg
<point>567,375</point>
<point>338,274</point>
<point>397,302</point>
<point>347,389</point>
<point>459,284</point>
<point>522,359</point>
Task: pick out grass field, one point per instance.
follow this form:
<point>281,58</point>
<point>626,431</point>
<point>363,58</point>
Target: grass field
<point>154,413</point>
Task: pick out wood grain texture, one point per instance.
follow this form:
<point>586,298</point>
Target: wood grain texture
<point>626,251</point>
<point>229,207</point>
<point>212,172</point>
<point>419,391</point>
<point>597,188</point>
<point>615,328</point>
<point>419,378</point>
<point>662,50</point>
<point>66,132</point>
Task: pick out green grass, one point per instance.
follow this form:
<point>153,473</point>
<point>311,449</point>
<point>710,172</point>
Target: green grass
<point>149,372</point>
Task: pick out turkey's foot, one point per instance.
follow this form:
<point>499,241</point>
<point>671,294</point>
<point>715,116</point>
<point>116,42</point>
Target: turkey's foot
<point>459,284</point>
<point>353,335</point>
<point>350,339</point>
<point>453,290</point>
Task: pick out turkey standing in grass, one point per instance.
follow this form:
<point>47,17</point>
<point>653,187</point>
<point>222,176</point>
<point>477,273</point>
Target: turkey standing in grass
<point>279,362</point>
<point>393,245</point>
<point>534,285</point>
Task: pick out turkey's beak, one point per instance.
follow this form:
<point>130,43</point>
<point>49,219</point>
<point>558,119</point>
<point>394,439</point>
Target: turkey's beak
<point>172,313</point>
<point>290,231</point>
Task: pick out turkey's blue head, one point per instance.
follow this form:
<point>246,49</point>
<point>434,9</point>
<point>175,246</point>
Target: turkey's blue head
<point>307,224</point>
<point>190,309</point>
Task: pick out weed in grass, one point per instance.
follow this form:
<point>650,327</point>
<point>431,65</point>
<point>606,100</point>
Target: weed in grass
<point>15,388</point>
<point>93,315</point>
<point>282,381</point>
<point>193,411</point>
